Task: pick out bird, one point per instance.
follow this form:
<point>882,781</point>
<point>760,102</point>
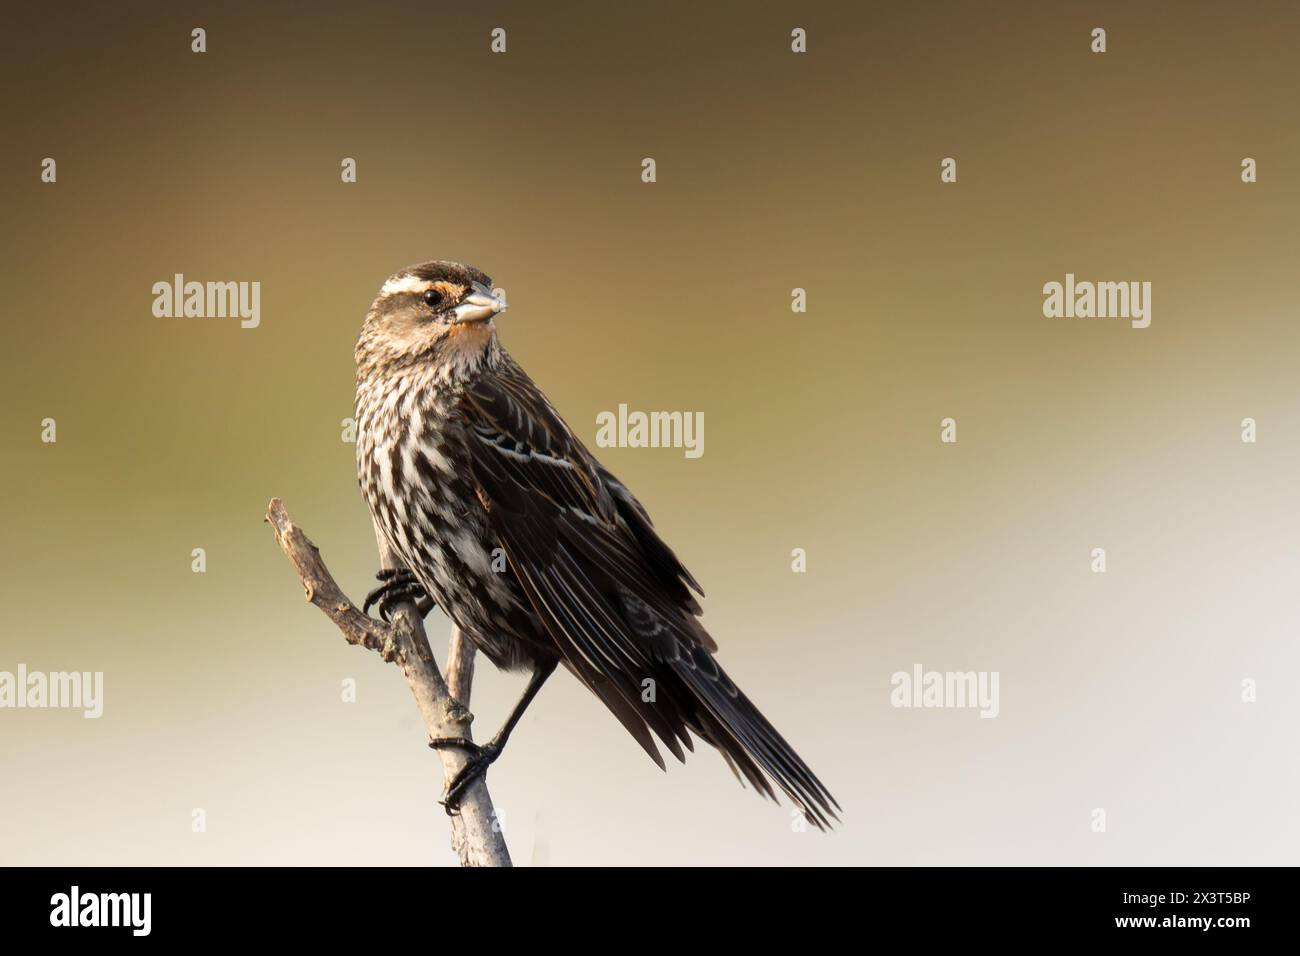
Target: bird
<point>504,520</point>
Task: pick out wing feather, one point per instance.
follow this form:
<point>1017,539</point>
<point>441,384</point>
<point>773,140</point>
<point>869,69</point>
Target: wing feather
<point>612,597</point>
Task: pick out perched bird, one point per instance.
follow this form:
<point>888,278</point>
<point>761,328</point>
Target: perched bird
<point>541,556</point>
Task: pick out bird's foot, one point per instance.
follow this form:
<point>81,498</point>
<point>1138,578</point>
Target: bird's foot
<point>480,758</point>
<point>399,585</point>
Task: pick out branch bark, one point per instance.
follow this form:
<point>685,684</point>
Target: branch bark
<point>475,835</point>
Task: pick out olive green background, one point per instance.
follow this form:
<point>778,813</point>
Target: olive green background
<point>1118,691</point>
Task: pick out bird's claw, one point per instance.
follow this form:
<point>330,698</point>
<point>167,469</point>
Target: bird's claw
<point>480,758</point>
<point>399,586</point>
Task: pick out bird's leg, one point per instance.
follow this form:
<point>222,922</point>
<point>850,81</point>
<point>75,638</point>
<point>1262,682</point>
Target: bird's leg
<point>399,585</point>
<point>482,757</point>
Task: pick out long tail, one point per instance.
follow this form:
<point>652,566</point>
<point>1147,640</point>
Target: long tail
<point>694,695</point>
<point>753,748</point>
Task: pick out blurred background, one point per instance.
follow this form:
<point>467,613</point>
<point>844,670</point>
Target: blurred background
<point>1119,691</point>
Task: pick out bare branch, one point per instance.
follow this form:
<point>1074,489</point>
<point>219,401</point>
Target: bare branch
<point>460,666</point>
<point>475,834</point>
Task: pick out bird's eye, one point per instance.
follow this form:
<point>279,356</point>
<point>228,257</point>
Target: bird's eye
<point>432,298</point>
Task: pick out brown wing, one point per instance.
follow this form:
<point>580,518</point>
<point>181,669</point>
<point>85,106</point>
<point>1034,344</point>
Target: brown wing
<point>610,593</point>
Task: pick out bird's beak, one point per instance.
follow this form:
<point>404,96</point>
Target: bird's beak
<point>481,304</point>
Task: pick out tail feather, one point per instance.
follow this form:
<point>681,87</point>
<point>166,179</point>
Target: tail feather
<point>746,738</point>
<point>694,695</point>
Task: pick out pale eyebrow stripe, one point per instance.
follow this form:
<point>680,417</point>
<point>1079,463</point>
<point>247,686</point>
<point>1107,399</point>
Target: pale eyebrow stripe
<point>408,283</point>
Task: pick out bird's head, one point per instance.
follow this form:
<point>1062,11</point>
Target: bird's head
<point>437,313</point>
